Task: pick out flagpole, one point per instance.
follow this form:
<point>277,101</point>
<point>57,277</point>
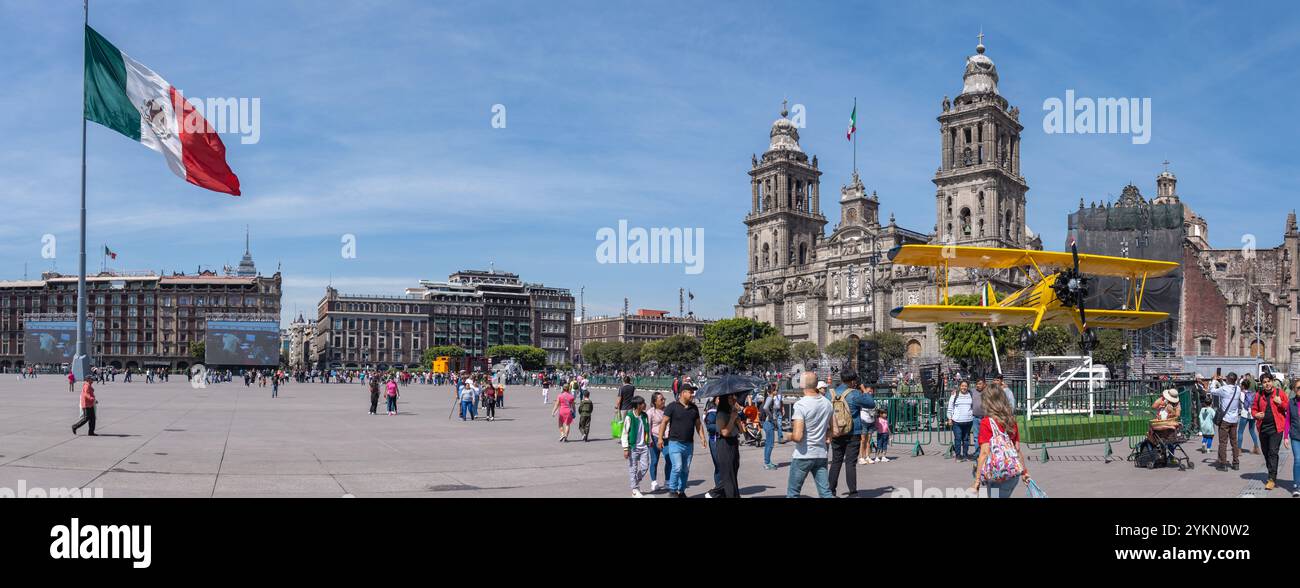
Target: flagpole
<point>80,361</point>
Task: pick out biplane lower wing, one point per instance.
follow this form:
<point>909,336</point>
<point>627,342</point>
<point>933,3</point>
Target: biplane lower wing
<point>1111,319</point>
<point>993,315</point>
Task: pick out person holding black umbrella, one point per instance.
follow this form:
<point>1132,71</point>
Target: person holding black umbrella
<point>726,451</point>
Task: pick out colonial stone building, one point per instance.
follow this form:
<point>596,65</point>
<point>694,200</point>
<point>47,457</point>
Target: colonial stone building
<point>474,310</point>
<point>141,319</point>
<point>1243,301</point>
<point>821,288</point>
<point>644,326</point>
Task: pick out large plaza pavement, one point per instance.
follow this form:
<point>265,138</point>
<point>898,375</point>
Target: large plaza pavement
<point>226,440</point>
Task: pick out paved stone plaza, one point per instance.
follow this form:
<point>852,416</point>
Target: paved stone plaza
<point>170,440</point>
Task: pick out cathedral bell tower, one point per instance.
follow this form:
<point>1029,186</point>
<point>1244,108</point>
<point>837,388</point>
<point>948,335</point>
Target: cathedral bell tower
<point>857,207</point>
<point>785,222</point>
<point>980,193</point>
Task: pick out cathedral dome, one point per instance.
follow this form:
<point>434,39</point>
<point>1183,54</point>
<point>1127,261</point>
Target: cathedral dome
<point>785,137</point>
<point>981,75</point>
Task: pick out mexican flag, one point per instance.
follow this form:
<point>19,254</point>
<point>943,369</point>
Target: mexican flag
<point>109,252</point>
<point>124,95</point>
<point>853,122</point>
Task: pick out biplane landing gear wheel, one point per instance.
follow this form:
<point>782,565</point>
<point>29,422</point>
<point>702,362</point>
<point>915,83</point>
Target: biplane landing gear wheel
<point>1088,341</point>
<point>1027,338</point>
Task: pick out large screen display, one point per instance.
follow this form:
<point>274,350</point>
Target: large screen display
<point>51,342</point>
<point>242,343</point>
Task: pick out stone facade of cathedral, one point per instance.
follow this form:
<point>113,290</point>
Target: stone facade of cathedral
<point>1243,301</point>
<point>821,288</point>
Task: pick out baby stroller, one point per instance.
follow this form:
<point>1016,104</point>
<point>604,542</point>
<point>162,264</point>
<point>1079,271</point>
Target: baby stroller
<point>1163,447</point>
<point>753,433</point>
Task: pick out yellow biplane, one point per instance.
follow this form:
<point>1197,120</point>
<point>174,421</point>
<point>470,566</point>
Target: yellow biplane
<point>1058,297</point>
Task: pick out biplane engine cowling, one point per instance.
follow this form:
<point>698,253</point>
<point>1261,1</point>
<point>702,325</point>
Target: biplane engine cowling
<point>1070,288</point>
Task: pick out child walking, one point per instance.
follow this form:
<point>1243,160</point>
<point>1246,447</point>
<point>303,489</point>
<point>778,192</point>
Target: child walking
<point>636,444</point>
<point>882,437</point>
<point>585,409</point>
<point>1206,418</point>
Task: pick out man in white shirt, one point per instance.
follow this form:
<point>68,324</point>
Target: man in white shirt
<point>1229,399</point>
<point>811,422</point>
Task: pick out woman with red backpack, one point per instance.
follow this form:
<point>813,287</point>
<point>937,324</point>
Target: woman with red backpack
<point>999,466</point>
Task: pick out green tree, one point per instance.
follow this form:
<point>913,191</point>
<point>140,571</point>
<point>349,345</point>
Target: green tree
<point>591,352</point>
<point>1054,340</point>
<point>804,351</point>
<point>724,341</point>
<point>198,349</point>
<point>650,351</point>
<point>674,353</point>
<point>432,353</point>
<point>531,358</point>
<point>770,351</point>
<point>892,346</point>
<point>968,343</point>
<point>629,355</point>
<point>1112,349</point>
<point>841,350</point>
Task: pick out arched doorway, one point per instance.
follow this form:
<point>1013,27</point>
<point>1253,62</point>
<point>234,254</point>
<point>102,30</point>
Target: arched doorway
<point>131,365</point>
<point>117,365</point>
<point>1257,349</point>
<point>913,349</point>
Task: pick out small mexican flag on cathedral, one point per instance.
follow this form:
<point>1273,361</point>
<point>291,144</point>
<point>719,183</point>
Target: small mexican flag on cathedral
<point>853,121</point>
<point>110,253</point>
<point>124,95</point>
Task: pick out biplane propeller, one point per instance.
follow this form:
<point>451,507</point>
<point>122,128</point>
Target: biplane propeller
<point>1059,296</point>
<point>1071,288</point>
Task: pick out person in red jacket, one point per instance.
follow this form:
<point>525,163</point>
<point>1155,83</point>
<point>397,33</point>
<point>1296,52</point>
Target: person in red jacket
<point>88,403</point>
<point>1270,410</point>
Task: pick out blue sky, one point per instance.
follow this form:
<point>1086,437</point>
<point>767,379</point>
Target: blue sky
<point>376,123</point>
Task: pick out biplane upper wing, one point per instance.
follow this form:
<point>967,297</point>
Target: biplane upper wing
<point>941,313</point>
<point>998,258</point>
<point>1112,319</point>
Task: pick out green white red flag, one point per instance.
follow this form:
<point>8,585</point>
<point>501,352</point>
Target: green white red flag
<point>853,122</point>
<point>124,95</point>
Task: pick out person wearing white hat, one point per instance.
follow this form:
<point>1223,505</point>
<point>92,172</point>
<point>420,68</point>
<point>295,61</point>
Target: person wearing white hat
<point>1166,412</point>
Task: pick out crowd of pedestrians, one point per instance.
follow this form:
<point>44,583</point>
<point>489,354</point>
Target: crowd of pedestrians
<point>832,429</point>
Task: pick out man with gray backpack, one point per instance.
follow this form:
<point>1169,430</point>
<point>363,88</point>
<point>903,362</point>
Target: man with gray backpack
<point>847,404</point>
